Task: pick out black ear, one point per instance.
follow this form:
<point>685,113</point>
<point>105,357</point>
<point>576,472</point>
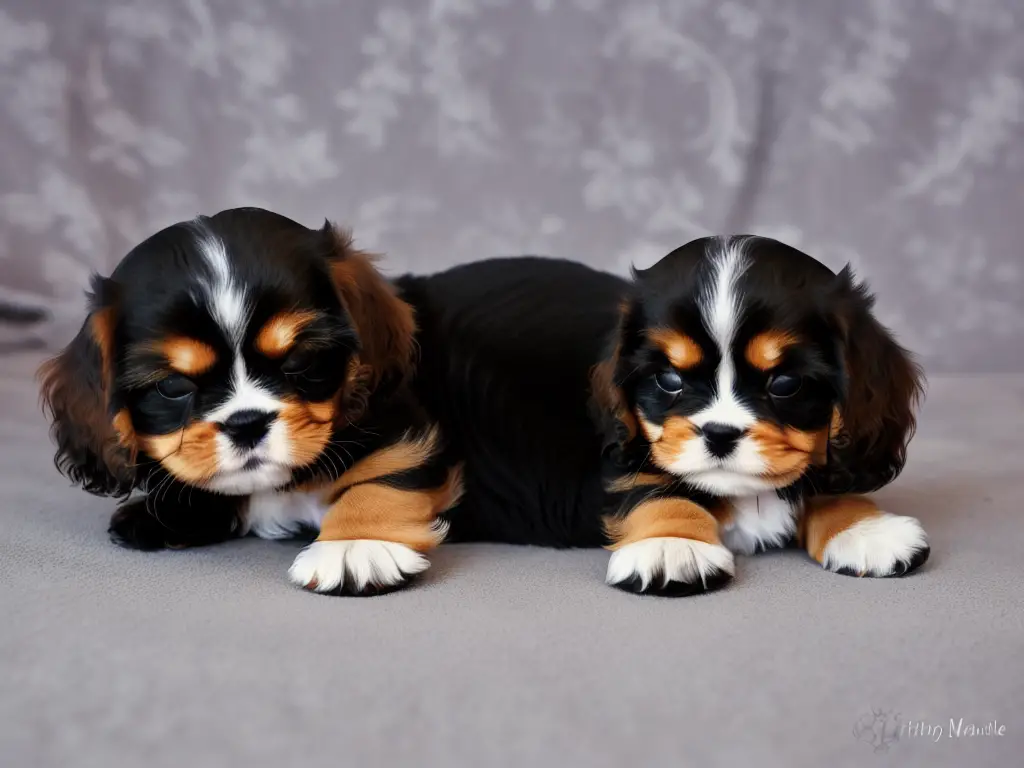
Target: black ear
<point>884,385</point>
<point>75,388</point>
<point>609,403</point>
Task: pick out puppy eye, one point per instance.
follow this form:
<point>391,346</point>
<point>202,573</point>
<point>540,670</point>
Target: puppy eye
<point>297,363</point>
<point>783,386</point>
<point>176,387</point>
<point>670,382</point>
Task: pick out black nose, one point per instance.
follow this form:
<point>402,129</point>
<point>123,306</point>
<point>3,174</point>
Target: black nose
<point>720,438</point>
<point>247,428</point>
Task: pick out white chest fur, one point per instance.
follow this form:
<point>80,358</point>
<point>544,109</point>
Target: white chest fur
<point>759,522</point>
<point>282,515</point>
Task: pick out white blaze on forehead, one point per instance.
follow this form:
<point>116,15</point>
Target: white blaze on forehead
<point>721,306</point>
<point>225,298</point>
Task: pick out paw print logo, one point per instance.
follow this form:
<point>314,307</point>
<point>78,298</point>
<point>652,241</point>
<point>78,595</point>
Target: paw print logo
<point>878,728</point>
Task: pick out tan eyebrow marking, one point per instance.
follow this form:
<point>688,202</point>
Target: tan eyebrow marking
<point>765,350</point>
<point>682,351</point>
<point>190,357</point>
<point>278,335</point>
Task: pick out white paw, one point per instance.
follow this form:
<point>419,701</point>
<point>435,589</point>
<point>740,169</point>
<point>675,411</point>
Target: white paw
<point>357,567</point>
<point>759,522</point>
<point>887,545</point>
<point>670,566</point>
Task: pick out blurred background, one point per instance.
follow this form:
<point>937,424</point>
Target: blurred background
<point>887,133</point>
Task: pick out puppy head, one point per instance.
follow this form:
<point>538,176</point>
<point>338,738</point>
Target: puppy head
<point>225,351</point>
<point>740,364</point>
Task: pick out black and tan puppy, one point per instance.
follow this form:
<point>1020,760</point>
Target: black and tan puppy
<point>241,373</point>
<point>732,398</point>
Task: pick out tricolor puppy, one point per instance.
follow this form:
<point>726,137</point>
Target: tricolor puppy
<point>749,396</point>
<point>734,397</point>
<point>242,373</point>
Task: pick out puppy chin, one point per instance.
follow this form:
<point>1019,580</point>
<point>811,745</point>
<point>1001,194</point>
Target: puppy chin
<point>246,482</point>
<point>723,482</point>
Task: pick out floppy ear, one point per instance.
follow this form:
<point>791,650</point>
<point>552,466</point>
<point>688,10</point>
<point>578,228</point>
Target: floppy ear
<point>877,413</point>
<point>384,323</point>
<point>75,389</point>
<point>609,404</point>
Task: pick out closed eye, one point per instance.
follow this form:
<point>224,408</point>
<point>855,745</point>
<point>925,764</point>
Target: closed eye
<point>297,363</point>
<point>176,387</point>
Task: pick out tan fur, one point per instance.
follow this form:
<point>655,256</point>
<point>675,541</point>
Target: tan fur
<point>82,410</point>
<point>385,324</point>
<point>189,357</point>
<point>309,427</point>
<point>667,441</point>
<point>608,397</point>
<point>826,516</point>
<point>637,480</point>
<point>377,511</point>
<point>278,334</point>
<point>766,349</point>
<point>190,454</point>
<point>787,451</point>
<point>399,457</point>
<point>682,351</point>
<point>672,517</point>
<point>605,393</point>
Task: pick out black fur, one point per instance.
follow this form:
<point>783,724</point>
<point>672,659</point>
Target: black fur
<point>506,350</point>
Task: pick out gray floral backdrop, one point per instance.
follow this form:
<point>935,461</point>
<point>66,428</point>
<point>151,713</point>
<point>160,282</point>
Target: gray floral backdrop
<point>889,133</point>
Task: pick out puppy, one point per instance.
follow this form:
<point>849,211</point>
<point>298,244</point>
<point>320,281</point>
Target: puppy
<point>749,397</point>
<point>734,397</point>
<point>241,373</point>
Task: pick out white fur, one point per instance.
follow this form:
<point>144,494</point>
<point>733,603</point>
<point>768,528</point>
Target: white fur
<point>670,559</point>
<point>357,563</point>
<point>274,450</point>
<point>722,306</point>
<point>759,522</point>
<point>738,473</point>
<point>246,395</point>
<point>741,472</point>
<point>226,299</point>
<point>282,515</point>
<point>874,546</point>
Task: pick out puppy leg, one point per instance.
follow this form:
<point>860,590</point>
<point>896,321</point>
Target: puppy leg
<point>373,537</point>
<point>851,535</point>
<point>175,519</point>
<point>667,546</point>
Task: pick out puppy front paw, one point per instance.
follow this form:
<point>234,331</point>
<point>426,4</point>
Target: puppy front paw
<point>133,526</point>
<point>880,546</point>
<point>358,567</point>
<point>671,567</point>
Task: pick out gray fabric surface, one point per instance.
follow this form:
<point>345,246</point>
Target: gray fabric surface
<point>510,656</point>
<point>889,133</point>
